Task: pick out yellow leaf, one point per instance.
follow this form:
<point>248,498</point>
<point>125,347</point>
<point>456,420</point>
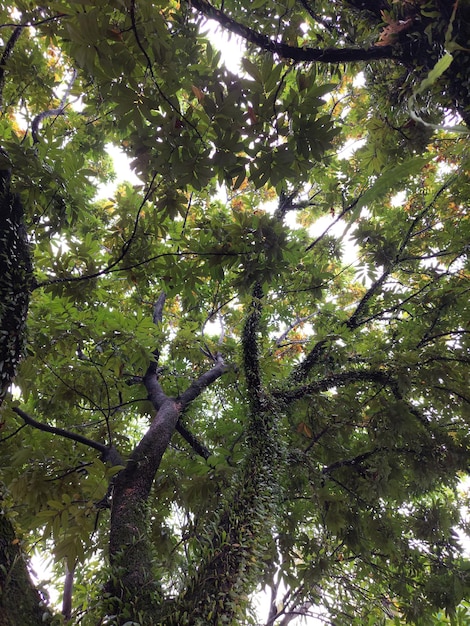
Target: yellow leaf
<point>198,93</point>
<point>305,429</point>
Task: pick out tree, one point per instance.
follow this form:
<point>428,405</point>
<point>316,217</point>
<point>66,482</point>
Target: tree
<point>249,371</point>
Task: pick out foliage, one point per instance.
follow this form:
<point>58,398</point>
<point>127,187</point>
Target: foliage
<point>249,372</point>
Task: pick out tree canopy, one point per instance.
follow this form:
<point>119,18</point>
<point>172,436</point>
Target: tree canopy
<point>248,373</point>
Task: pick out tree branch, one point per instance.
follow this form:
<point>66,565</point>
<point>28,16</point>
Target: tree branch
<point>148,61</point>
<point>124,250</point>
<point>52,112</point>
<point>301,371</point>
<point>336,380</point>
<point>196,445</point>
<point>157,396</point>
<point>201,383</point>
<point>157,320</point>
<point>111,268</point>
<point>67,595</point>
<point>6,55</point>
<point>101,447</point>
<point>16,278</point>
<point>327,55</point>
<point>354,321</point>
<point>357,460</point>
<point>158,308</point>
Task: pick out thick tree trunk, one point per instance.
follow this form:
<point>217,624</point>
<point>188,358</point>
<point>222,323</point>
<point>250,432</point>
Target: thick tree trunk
<point>20,603</point>
<point>15,281</point>
<point>133,587</point>
<point>234,555</point>
<point>235,552</point>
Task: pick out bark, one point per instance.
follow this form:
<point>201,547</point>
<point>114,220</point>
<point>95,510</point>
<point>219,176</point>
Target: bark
<point>67,595</point>
<point>294,53</point>
<point>20,603</point>
<point>133,581</point>
<point>234,554</point>
<point>7,52</point>
<point>234,551</point>
<point>134,588</point>
<point>15,281</point>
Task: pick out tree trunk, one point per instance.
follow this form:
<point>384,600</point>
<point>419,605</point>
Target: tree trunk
<point>133,587</point>
<point>20,603</point>
<point>15,281</point>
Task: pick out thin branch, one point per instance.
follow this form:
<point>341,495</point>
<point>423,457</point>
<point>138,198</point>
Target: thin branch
<point>329,26</point>
<point>80,392</point>
<point>357,460</point>
<point>5,57</point>
<point>447,333</point>
<point>74,470</point>
<point>453,392</point>
<point>445,185</point>
<point>335,221</point>
<point>13,434</point>
<point>52,112</point>
<point>186,215</point>
<point>46,20</point>
<point>317,437</point>
<point>124,250</point>
<point>297,611</point>
<point>157,320</point>
<point>101,447</point>
<point>112,269</point>
<point>327,55</point>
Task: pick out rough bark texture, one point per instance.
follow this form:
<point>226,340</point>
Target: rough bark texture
<point>133,586</point>
<point>233,553</point>
<point>20,603</point>
<point>15,282</point>
<point>133,582</point>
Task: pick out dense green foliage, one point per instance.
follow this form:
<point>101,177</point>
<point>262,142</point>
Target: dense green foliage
<point>249,372</point>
